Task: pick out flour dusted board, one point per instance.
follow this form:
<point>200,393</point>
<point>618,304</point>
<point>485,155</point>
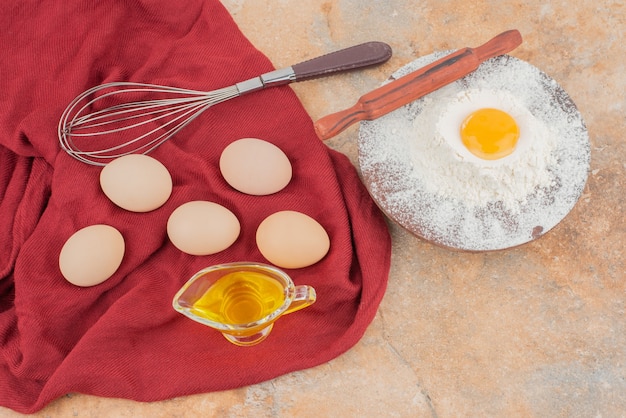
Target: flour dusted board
<point>546,181</point>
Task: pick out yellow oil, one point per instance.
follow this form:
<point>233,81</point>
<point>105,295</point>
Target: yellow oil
<point>240,298</point>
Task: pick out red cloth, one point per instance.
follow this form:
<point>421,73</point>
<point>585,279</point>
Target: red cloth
<point>122,338</point>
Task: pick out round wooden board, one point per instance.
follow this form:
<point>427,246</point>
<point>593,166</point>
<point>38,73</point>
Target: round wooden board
<point>397,187</point>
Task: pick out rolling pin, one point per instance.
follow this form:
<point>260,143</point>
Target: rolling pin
<point>416,84</point>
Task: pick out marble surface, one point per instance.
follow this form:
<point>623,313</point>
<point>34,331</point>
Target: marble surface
<point>535,331</point>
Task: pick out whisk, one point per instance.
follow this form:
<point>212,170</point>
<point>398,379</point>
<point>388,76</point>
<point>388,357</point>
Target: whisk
<point>123,121</point>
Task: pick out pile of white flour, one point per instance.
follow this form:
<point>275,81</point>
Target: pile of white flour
<point>449,170</point>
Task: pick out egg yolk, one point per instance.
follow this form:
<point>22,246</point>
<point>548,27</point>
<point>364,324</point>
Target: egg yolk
<point>490,134</point>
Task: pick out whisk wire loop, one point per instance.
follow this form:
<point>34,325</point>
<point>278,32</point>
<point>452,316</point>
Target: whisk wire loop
<point>171,114</point>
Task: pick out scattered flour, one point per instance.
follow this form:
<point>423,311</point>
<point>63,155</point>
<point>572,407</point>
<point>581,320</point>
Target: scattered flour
<point>424,180</point>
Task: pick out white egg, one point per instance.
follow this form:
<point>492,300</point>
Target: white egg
<point>256,167</point>
<point>202,228</point>
<point>467,102</point>
<point>136,182</point>
<point>91,255</point>
<point>291,239</point>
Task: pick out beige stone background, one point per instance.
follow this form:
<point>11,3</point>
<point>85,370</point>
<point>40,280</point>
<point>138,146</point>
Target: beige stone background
<point>535,331</point>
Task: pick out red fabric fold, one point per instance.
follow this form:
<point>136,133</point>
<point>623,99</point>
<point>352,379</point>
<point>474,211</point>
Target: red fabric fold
<point>122,338</point>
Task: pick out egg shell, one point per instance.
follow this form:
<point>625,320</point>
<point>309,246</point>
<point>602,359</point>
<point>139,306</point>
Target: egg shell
<point>202,228</point>
<point>256,167</point>
<point>136,182</point>
<point>91,255</point>
<point>291,239</point>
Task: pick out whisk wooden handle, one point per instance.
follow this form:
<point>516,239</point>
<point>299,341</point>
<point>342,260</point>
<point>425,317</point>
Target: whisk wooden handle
<point>412,86</point>
<point>358,56</point>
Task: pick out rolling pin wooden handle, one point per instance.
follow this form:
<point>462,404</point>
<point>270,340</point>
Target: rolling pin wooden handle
<point>416,84</point>
<point>500,44</point>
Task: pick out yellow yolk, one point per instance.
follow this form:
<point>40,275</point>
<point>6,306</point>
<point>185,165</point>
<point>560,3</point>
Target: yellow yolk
<point>489,134</point>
